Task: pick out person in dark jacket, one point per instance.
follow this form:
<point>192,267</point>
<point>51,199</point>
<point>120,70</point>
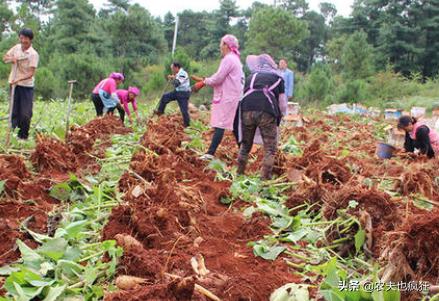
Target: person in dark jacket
<point>260,111</point>
<point>419,136</point>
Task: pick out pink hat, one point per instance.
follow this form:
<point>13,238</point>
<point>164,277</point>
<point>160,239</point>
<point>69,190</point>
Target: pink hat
<point>117,76</point>
<point>261,63</point>
<point>134,90</point>
<point>232,42</point>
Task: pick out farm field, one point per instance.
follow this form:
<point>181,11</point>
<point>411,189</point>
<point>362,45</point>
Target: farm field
<point>119,213</point>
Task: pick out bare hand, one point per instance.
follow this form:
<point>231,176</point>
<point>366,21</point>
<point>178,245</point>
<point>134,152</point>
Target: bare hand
<point>171,77</point>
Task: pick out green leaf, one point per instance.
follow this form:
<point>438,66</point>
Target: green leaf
<point>2,186</point>
<point>61,191</point>
<point>295,236</point>
<point>268,253</point>
<point>15,284</point>
<point>7,270</point>
<point>331,273</point>
<point>29,256</point>
<point>72,254</point>
<point>90,274</point>
<point>360,238</point>
<point>331,295</point>
<point>54,249</point>
<point>73,229</point>
<point>55,292</point>
<point>41,238</point>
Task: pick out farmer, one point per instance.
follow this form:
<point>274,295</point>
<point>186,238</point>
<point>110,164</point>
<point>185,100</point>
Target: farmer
<point>182,92</point>
<point>227,85</point>
<point>260,112</point>
<point>419,136</point>
<point>288,77</point>
<point>24,59</point>
<point>126,97</point>
<point>104,95</point>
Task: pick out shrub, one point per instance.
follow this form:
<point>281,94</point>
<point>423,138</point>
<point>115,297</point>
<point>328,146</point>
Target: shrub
<point>353,92</point>
<point>317,85</point>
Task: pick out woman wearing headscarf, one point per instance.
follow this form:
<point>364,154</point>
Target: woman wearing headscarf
<point>260,112</point>
<point>419,136</point>
<point>104,95</point>
<point>126,97</point>
<point>227,85</point>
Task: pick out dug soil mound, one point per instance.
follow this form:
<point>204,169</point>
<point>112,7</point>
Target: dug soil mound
<point>174,213</point>
<point>12,214</point>
<point>12,171</point>
<point>26,197</point>
<point>52,156</point>
<point>83,138</point>
<point>380,208</point>
<point>412,253</point>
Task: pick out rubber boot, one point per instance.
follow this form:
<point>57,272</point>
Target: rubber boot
<point>241,167</point>
<point>266,172</point>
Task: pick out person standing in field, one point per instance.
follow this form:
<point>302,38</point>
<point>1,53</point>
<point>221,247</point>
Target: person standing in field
<point>126,97</point>
<point>181,93</point>
<point>288,77</point>
<point>227,83</point>
<point>261,109</point>
<point>104,95</point>
<point>24,60</point>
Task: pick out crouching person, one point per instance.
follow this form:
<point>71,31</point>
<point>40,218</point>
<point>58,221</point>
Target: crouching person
<point>260,111</point>
<point>126,97</point>
<point>419,136</point>
<point>104,95</point>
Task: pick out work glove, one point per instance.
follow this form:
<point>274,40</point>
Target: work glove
<point>198,86</point>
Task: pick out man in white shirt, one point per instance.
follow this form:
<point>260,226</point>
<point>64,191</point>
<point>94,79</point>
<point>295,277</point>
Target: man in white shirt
<point>24,60</point>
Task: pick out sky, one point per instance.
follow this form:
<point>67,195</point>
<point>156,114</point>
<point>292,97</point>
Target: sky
<point>161,7</point>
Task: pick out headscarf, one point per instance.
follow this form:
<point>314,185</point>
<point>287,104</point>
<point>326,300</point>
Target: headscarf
<point>262,63</point>
<point>134,90</point>
<point>232,42</point>
<point>117,76</point>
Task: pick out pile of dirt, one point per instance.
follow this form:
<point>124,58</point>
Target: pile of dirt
<point>52,157</point>
<point>27,198</point>
<point>383,212</point>
<point>12,215</point>
<point>12,171</point>
<point>412,253</point>
<point>165,135</point>
<point>422,179</point>
<point>172,209</point>
<point>82,138</point>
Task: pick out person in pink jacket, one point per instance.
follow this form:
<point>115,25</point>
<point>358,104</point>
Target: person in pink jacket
<point>104,94</point>
<point>228,84</point>
<point>419,136</point>
<point>126,97</point>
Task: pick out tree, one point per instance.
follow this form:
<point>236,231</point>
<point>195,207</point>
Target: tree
<point>297,7</point>
<point>275,31</point>
<point>6,15</point>
<point>168,28</point>
<point>74,27</point>
<point>334,51</point>
<point>313,46</point>
<point>328,10</point>
<point>219,25</point>
<point>357,57</point>
<point>136,38</point>
<point>193,34</point>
